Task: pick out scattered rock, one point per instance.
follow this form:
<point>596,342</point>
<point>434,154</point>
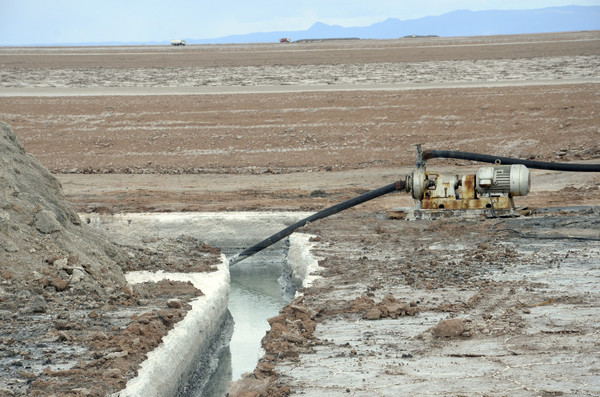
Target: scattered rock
<point>388,307</point>
<point>45,222</point>
<point>9,246</point>
<point>99,336</point>
<point>58,283</point>
<point>38,305</point>
<point>373,313</point>
<point>112,373</point>
<point>174,303</point>
<point>114,355</point>
<point>249,386</point>
<point>449,328</point>
<point>77,276</point>
<point>293,338</point>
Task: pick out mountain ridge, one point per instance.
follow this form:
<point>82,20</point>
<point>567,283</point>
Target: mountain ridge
<point>451,24</point>
<point>454,23</point>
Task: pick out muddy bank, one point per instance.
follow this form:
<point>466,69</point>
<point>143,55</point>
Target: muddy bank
<point>447,306</point>
<point>186,347</point>
<point>71,324</point>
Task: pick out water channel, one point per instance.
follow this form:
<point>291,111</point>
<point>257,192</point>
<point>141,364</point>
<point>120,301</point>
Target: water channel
<point>260,285</point>
<point>257,293</point>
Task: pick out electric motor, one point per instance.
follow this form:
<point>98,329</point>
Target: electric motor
<point>512,180</point>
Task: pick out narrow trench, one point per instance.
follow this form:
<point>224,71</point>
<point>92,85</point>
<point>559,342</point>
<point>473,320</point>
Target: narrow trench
<point>260,286</point>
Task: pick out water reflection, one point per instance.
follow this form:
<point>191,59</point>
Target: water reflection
<point>256,295</point>
<point>217,386</point>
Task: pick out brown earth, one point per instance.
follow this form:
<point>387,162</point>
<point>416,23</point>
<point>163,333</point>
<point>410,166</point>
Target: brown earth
<point>314,53</point>
<point>217,143</point>
<point>303,149</point>
<point>71,325</point>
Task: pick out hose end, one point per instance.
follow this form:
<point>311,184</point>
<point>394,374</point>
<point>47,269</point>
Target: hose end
<point>235,259</point>
<point>427,155</point>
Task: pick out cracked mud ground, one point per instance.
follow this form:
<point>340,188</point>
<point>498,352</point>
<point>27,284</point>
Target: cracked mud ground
<point>520,294</point>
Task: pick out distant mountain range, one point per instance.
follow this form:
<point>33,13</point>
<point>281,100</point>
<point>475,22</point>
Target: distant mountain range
<point>456,23</point>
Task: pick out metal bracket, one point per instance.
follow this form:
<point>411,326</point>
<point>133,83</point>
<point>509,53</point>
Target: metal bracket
<point>420,162</point>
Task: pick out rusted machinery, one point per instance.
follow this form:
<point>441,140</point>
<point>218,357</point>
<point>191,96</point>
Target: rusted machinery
<point>489,191</point>
<point>492,187</point>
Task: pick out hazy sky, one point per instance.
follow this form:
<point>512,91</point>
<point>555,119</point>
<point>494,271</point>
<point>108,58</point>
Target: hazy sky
<point>73,21</point>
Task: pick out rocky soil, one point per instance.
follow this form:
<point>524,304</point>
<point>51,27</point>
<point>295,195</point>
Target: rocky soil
<point>451,306</point>
<point>70,323</point>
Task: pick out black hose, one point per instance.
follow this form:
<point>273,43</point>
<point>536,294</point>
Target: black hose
<point>400,185</point>
<point>485,158</point>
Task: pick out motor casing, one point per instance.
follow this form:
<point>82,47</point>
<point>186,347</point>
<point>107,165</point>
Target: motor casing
<point>512,180</point>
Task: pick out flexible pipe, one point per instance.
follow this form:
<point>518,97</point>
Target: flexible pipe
<point>485,158</point>
<point>399,185</point>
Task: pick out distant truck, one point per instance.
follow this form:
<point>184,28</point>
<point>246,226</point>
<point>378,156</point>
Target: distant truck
<point>177,42</point>
<point>285,40</point>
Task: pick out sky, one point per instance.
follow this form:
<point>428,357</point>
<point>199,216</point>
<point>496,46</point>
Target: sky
<point>29,22</point>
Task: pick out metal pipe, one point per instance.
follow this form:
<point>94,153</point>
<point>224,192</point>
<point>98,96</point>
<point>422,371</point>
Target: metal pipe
<point>485,158</point>
<point>399,185</point>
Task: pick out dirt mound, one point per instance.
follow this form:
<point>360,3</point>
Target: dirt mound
<point>43,243</point>
<point>70,323</point>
